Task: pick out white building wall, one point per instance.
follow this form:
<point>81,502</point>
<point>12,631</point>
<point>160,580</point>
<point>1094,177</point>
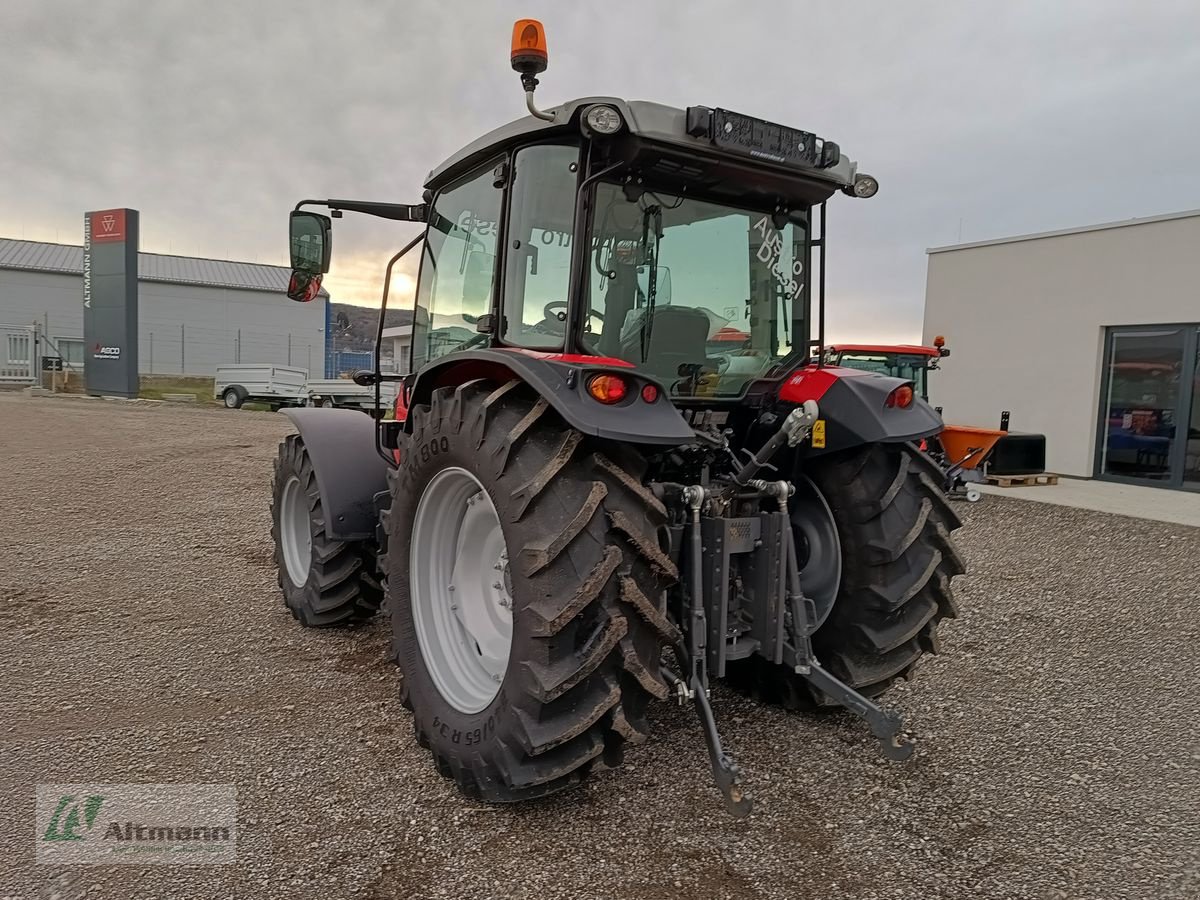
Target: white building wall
<point>182,329</point>
<point>401,338</point>
<point>1025,321</point>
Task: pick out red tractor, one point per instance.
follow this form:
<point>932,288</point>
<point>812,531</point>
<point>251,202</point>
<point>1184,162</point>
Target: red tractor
<point>612,444</point>
<point>912,362</point>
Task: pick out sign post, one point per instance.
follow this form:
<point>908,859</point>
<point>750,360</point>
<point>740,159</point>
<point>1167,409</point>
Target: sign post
<point>110,302</point>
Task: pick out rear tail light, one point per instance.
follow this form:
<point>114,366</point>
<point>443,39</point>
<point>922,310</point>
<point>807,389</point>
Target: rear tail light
<point>607,389</point>
<point>900,398</point>
<point>649,393</point>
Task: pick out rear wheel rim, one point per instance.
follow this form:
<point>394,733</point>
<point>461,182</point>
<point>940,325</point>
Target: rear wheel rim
<point>818,547</point>
<point>461,593</point>
<point>230,399</point>
<point>295,531</point>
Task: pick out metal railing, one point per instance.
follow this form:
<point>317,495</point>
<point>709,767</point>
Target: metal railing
<point>20,362</point>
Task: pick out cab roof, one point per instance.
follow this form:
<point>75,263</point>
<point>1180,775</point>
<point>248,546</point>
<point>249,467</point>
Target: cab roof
<point>650,121</point>
<point>910,349</point>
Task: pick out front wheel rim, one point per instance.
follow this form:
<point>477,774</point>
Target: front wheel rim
<point>295,531</point>
<point>461,590</point>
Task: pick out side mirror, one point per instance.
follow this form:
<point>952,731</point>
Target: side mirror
<point>310,245</point>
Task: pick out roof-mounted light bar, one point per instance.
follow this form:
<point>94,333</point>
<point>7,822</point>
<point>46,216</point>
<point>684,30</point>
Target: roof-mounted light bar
<point>761,139</point>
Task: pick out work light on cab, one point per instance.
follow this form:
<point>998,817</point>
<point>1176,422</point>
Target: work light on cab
<point>865,186</point>
<point>607,389</point>
<point>602,119</point>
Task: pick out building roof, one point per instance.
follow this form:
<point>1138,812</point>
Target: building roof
<point>67,259</point>
<point>1124,223</point>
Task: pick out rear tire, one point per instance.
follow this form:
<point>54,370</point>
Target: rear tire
<point>894,524</point>
<point>324,581</point>
<point>586,578</point>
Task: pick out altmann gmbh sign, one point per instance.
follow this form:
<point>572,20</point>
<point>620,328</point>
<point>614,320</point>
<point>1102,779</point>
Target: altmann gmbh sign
<point>110,302</point>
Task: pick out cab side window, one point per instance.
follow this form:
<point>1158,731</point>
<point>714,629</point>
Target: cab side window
<point>457,267</point>
<point>537,276</point>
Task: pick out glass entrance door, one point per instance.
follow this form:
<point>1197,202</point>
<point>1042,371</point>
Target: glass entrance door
<point>1149,416</point>
<point>1191,453</point>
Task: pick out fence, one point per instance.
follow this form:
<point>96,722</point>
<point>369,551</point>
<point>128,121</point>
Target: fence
<point>19,362</point>
<point>24,349</point>
<point>172,348</point>
<point>181,349</point>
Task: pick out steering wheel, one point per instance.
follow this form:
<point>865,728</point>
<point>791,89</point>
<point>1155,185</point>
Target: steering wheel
<point>549,311</point>
<point>556,311</point>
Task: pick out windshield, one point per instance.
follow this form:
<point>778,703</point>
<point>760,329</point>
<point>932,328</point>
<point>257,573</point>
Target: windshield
<point>910,368</point>
<point>703,296</point>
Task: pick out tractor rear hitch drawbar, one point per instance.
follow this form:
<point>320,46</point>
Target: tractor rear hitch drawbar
<point>691,652</point>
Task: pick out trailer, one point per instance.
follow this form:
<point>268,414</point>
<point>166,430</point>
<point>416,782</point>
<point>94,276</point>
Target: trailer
<point>348,394</point>
<point>280,386</point>
<point>277,386</point>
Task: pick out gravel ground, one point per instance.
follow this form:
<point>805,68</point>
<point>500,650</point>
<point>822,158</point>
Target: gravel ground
<point>143,640</point>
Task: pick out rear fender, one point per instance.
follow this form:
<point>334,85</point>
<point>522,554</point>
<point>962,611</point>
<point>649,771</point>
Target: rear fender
<point>561,380</point>
<point>341,447</point>
<point>854,408</point>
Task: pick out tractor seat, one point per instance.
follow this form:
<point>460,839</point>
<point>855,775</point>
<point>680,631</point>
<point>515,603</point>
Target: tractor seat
<point>678,336</point>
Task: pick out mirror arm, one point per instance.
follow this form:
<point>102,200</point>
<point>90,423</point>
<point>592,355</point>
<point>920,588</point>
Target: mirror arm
<point>400,212</point>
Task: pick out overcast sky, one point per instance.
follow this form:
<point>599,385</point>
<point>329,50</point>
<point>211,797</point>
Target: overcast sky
<point>979,119</point>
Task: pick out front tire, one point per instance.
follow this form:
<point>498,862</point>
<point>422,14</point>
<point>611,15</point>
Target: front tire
<point>585,578</point>
<point>894,525</point>
<point>324,581</point>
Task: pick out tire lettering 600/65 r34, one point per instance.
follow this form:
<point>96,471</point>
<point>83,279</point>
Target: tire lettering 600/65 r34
<point>433,448</point>
<point>476,735</point>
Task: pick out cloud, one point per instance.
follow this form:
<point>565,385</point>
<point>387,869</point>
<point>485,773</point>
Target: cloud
<point>978,119</point>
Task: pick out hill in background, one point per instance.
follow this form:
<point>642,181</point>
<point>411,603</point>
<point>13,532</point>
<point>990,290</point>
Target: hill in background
<point>353,327</point>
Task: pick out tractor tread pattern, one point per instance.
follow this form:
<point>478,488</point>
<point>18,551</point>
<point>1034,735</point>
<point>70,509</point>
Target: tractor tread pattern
<point>895,527</point>
<point>589,578</point>
<point>344,585</point>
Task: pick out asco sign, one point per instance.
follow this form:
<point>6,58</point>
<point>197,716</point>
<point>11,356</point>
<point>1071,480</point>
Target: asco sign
<point>107,225</point>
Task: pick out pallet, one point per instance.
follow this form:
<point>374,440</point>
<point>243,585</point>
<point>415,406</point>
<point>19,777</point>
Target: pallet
<point>1021,480</point>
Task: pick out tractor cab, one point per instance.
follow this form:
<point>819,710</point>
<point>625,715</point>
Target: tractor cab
<point>680,242</point>
<point>684,243</point>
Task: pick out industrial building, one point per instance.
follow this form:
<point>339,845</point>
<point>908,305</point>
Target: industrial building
<point>193,314</point>
<point>1090,336</point>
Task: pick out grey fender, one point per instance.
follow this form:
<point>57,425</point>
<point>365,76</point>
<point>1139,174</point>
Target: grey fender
<point>341,447</point>
<point>562,381</point>
<point>856,412</point>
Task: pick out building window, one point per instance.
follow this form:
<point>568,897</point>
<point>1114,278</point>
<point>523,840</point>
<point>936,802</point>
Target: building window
<point>1148,412</point>
<point>71,350</point>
